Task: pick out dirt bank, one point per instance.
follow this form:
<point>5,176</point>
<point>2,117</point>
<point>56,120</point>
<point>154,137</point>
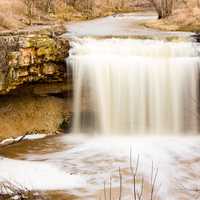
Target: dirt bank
<point>22,114</point>
<point>185,19</point>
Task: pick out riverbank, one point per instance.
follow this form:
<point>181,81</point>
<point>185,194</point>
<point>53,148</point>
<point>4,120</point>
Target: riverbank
<point>26,13</point>
<point>181,20</point>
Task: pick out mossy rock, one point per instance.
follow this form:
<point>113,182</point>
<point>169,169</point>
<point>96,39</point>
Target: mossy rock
<point>66,124</point>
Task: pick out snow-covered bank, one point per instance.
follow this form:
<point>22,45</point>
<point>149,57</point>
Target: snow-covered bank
<point>12,140</point>
<point>34,175</point>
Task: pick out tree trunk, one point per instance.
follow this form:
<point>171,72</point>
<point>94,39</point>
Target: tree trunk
<point>164,8</point>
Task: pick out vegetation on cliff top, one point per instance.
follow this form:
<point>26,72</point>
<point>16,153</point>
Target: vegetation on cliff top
<point>174,14</point>
<point>183,16</point>
<point>20,13</point>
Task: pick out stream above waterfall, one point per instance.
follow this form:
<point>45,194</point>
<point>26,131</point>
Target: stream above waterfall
<point>136,98</point>
<point>123,26</point>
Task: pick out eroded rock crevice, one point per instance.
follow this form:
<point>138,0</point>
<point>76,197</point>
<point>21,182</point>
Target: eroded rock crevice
<point>35,57</point>
<point>35,83</point>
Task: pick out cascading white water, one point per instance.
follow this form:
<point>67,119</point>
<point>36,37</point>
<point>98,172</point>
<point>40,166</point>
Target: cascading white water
<point>135,86</point>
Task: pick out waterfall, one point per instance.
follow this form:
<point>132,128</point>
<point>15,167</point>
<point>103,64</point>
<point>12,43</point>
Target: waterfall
<point>135,86</point>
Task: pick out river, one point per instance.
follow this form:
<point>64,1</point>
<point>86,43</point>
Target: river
<point>136,106</point>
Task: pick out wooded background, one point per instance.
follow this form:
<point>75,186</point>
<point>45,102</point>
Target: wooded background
<point>20,13</point>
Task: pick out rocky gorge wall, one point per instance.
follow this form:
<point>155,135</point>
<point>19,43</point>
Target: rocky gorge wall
<point>35,84</point>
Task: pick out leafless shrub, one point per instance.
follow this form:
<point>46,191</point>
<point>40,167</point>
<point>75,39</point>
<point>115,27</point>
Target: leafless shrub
<point>29,9</point>
<point>137,193</point>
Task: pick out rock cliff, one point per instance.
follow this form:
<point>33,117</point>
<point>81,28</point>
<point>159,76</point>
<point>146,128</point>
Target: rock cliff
<point>35,84</point>
<point>35,57</point>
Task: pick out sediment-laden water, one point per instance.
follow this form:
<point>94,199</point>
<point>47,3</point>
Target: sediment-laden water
<point>130,86</point>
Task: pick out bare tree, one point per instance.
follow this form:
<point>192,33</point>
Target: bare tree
<point>29,10</point>
<point>164,8</point>
<point>137,191</point>
<point>49,6</point>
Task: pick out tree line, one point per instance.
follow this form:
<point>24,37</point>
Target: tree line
<point>164,8</point>
<point>46,6</point>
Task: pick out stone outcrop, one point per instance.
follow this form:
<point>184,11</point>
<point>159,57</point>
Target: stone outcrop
<point>35,57</point>
<point>35,84</point>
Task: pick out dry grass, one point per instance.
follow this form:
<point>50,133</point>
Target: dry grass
<point>183,19</point>
<point>67,13</point>
<point>13,13</point>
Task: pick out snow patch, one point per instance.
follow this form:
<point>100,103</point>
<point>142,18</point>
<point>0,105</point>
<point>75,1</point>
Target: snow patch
<point>34,175</point>
<point>27,137</point>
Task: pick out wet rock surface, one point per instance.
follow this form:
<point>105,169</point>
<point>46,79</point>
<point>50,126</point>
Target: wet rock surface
<point>35,83</point>
<point>197,37</point>
<point>32,57</point>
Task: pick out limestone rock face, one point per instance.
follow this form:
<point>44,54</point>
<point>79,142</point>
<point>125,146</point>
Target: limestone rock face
<point>35,84</point>
<point>31,58</point>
